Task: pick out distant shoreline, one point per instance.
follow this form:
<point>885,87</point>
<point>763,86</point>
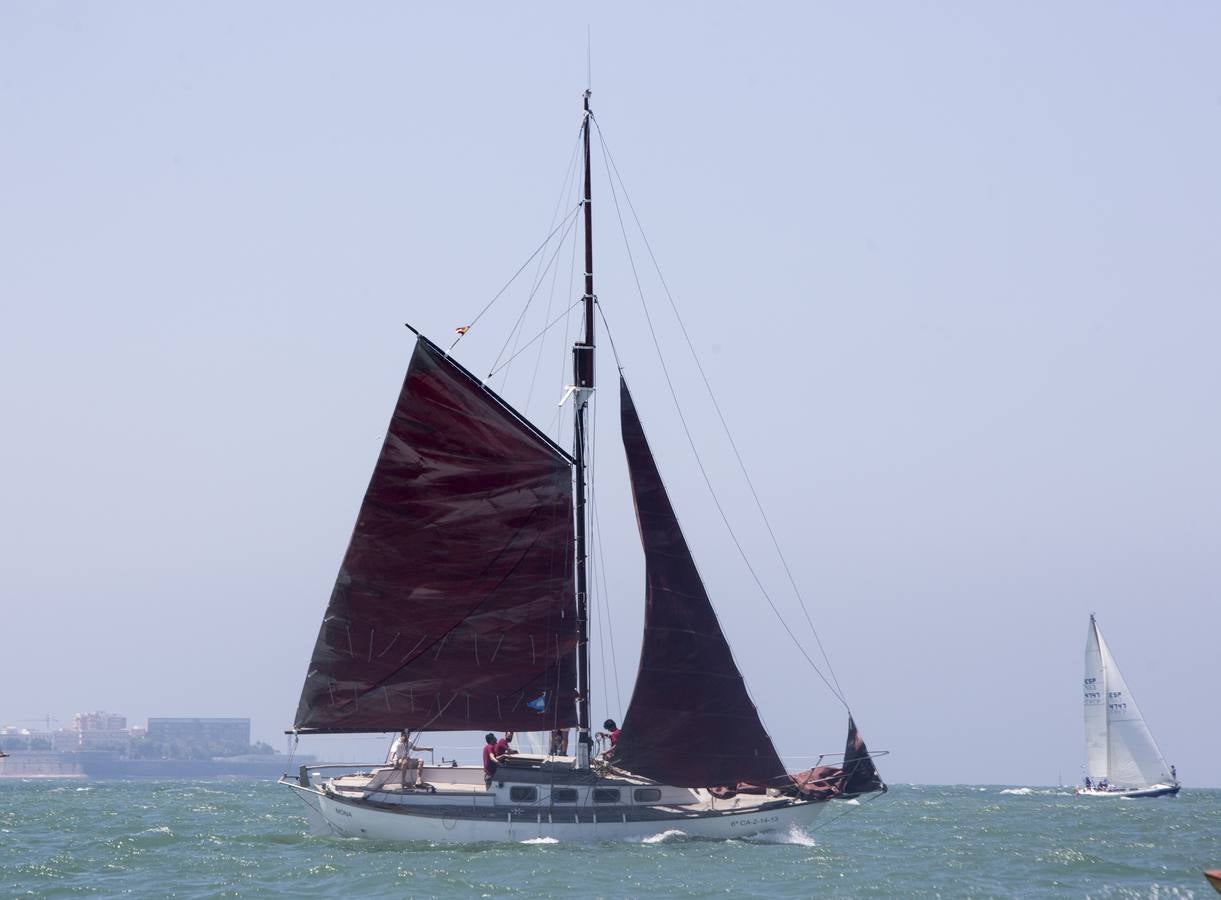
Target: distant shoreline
<point>103,765</point>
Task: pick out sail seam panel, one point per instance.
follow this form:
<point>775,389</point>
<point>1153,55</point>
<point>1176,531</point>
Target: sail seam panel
<point>526,424</point>
<point>453,470</point>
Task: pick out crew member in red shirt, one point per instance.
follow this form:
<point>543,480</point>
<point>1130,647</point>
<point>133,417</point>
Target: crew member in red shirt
<point>612,732</point>
<point>502,747</point>
<point>489,759</point>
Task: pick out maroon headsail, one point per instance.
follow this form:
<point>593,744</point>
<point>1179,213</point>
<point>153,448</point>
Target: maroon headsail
<point>690,721</point>
<point>860,774</point>
<point>453,608</point>
<point>857,776</point>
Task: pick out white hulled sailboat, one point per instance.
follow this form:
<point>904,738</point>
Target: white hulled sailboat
<point>461,605</point>
<point>1122,759</point>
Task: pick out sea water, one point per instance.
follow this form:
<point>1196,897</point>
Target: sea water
<point>245,839</point>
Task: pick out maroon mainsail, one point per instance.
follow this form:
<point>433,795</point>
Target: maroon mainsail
<point>453,608</point>
<point>690,721</point>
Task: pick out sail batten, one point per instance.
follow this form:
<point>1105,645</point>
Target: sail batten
<point>457,584</point>
<point>690,721</point>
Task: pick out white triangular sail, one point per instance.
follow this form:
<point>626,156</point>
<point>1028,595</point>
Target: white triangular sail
<point>1095,691</point>
<point>535,742</point>
<point>1127,756</point>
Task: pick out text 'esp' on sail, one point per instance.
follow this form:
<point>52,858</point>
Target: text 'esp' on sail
<point>690,721</point>
<point>453,608</point>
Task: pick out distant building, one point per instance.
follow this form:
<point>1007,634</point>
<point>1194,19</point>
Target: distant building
<point>12,738</point>
<point>101,731</point>
<point>220,737</point>
<point>64,739</point>
<point>99,721</point>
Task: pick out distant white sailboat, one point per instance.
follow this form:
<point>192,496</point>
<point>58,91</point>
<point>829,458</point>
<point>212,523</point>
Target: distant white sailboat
<point>1122,759</point>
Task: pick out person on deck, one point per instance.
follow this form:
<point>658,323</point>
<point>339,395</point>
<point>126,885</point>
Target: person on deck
<point>611,734</point>
<point>502,747</point>
<point>393,756</point>
<point>400,757</point>
<point>1174,775</point>
<point>559,742</point>
<point>489,759</point>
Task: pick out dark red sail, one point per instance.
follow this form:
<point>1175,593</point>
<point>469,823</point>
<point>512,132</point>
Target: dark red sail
<point>453,608</point>
<point>690,721</point>
<point>860,774</point>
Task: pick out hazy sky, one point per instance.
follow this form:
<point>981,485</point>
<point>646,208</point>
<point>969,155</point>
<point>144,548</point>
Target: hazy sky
<point>951,268</point>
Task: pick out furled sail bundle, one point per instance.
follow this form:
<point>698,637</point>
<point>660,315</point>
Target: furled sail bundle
<point>690,721</point>
<point>453,606</point>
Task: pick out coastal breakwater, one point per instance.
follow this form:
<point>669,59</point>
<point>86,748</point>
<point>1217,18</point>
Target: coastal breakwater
<point>36,764</point>
<point>102,764</point>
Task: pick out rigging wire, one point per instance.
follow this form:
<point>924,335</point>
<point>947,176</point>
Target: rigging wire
<point>847,810</point>
<point>595,560</point>
<point>529,300</point>
<point>597,530</point>
<point>513,277</point>
<point>540,273</point>
<point>565,353</point>
<point>600,571</point>
<point>610,626</point>
<point>530,343</point>
<point>555,272</point>
<point>721,416</point>
<point>833,688</point>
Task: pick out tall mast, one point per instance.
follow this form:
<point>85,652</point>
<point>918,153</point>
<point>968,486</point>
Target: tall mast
<point>583,382</point>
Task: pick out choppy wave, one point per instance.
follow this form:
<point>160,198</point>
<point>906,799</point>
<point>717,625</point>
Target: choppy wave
<point>1031,844</point>
<point>1043,792</point>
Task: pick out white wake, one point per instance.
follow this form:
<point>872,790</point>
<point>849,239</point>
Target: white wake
<point>795,835</point>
